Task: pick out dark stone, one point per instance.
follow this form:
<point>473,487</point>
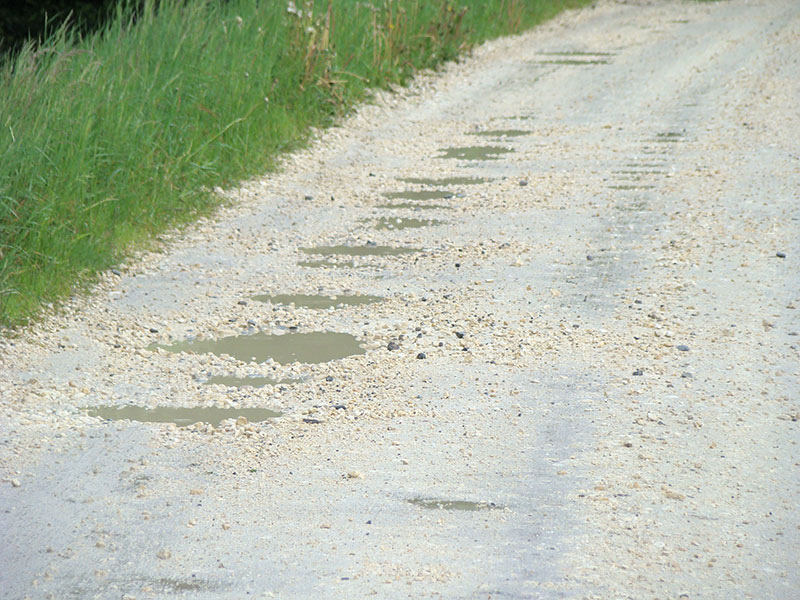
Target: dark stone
<point>242,303</point>
<point>392,346</point>
<point>682,347</point>
<point>312,421</point>
<point>339,407</point>
<point>460,334</point>
<point>458,265</point>
<point>422,355</point>
<point>116,272</point>
<point>523,183</point>
<point>329,378</point>
<point>589,257</point>
<point>686,375</point>
<point>780,254</point>
<point>638,372</point>
<point>153,330</point>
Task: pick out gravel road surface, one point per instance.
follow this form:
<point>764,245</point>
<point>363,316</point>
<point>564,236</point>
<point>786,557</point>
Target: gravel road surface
<point>580,378</point>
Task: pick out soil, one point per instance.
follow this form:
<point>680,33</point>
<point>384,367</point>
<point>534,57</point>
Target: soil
<point>582,382</point>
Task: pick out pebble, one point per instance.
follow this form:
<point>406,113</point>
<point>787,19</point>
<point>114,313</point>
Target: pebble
<point>460,334</point>
<point>422,355</point>
<point>355,475</point>
<point>523,183</point>
<point>682,347</point>
<point>15,483</point>
<point>392,346</point>
<point>164,554</point>
<point>638,372</point>
<point>780,254</point>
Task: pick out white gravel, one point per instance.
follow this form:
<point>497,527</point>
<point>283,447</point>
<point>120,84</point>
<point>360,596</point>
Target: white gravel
<point>620,404</point>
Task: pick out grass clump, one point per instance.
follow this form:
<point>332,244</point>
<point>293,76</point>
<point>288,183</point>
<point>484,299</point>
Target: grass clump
<point>108,139</point>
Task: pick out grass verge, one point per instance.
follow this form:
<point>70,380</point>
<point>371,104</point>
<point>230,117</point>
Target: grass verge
<point>107,140</point>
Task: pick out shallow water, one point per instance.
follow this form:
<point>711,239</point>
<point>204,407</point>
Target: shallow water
<point>359,250</point>
<point>181,416</point>
<point>317,301</point>
<point>475,152</point>
<point>414,206</point>
<point>231,381</point>
<point>312,347</point>
<point>444,504</point>
<point>419,195</point>
<point>445,180</point>
<point>401,223</point>
<point>502,133</point>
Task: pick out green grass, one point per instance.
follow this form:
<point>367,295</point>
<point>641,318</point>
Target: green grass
<point>107,140</point>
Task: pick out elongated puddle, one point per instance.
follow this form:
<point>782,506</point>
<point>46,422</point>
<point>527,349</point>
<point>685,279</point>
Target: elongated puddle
<point>256,382</point>
<point>443,504</point>
<point>398,223</point>
<point>312,347</point>
<point>359,250</point>
<point>181,416</point>
<point>318,302</point>
<point>501,133</point>
<point>419,195</point>
<point>323,264</point>
<point>445,180</point>
<point>414,206</point>
<point>475,152</point>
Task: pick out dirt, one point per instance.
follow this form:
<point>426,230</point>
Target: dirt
<point>583,384</point>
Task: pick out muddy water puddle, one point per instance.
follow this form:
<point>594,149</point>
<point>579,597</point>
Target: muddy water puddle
<point>320,302</point>
<point>631,187</point>
<point>255,382</point>
<point>312,347</point>
<point>414,206</point>
<point>396,224</point>
<point>420,195</point>
<point>368,250</point>
<point>445,504</point>
<point>327,264</point>
<point>475,152</point>
<point>445,180</point>
<point>501,133</point>
<point>181,416</point>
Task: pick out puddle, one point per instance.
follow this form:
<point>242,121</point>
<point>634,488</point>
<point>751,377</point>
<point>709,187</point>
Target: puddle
<point>413,206</point>
<point>669,137</point>
<point>181,416</point>
<point>398,223</point>
<point>639,172</point>
<point>502,133</point>
<point>420,195</point>
<point>575,61</point>
<point>646,165</point>
<point>475,152</point>
<point>445,180</point>
<point>576,53</point>
<point>322,264</point>
<point>443,504</point>
<point>359,250</point>
<point>312,347</point>
<point>317,302</point>
<point>631,187</point>
<point>256,382</point>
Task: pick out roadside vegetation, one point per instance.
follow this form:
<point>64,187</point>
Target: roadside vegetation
<point>107,139</point>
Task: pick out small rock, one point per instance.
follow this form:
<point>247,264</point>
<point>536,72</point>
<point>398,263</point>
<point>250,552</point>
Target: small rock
<point>780,254</point>
<point>392,346</point>
<point>164,554</point>
<point>329,378</point>
<point>682,347</point>
<point>116,272</point>
<point>241,421</point>
<point>686,375</point>
<point>15,483</point>
<point>226,526</point>
<point>242,303</point>
<point>153,330</point>
<point>460,334</point>
<point>671,494</point>
<point>196,492</point>
<point>589,257</point>
<point>422,355</point>
<point>355,475</point>
<point>523,183</point>
<point>638,372</point>
<point>458,265</point>
<point>312,421</point>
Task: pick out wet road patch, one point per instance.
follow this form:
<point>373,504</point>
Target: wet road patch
<point>312,347</point>
<point>320,302</point>
<point>475,152</point>
<point>182,417</point>
<point>445,180</point>
<point>393,223</point>
<point>445,504</point>
<point>367,250</point>
<point>419,195</point>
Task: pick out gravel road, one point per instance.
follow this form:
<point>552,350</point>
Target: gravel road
<point>580,379</point>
